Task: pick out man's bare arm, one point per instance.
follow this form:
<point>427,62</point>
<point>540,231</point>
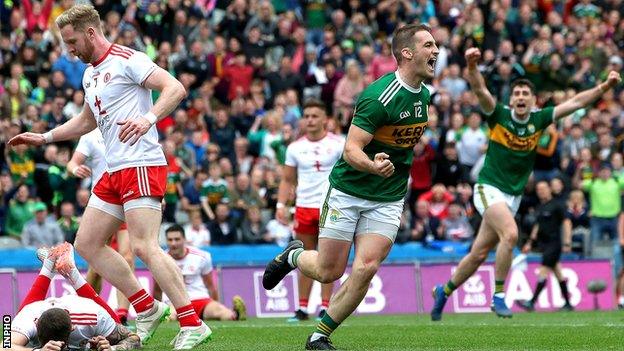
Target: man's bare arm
<point>586,97</point>
<point>123,339</point>
<point>477,83</point>
<point>76,127</point>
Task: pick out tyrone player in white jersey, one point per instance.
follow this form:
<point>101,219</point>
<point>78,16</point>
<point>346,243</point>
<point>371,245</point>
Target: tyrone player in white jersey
<point>89,160</point>
<point>118,86</point>
<point>71,321</point>
<point>196,268</point>
<point>309,160</point>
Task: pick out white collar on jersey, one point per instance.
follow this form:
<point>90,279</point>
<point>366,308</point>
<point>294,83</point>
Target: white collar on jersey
<point>405,85</point>
<point>518,120</point>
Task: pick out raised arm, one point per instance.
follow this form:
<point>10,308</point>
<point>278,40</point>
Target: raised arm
<point>354,154</point>
<point>586,97</point>
<point>477,83</point>
<point>72,129</point>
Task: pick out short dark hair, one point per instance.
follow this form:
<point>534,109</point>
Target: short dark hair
<point>54,324</point>
<point>315,103</point>
<point>175,228</point>
<point>523,82</point>
<point>402,38</point>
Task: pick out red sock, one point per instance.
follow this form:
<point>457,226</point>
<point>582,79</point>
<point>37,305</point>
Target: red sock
<point>325,304</point>
<point>303,304</point>
<point>38,291</point>
<point>141,301</point>
<point>187,316</point>
<point>87,291</point>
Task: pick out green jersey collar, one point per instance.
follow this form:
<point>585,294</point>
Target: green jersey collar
<point>405,85</point>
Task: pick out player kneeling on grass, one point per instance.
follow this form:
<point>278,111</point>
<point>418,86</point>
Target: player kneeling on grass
<point>196,267</point>
<point>71,321</point>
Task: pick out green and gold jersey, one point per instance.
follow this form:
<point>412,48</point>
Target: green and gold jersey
<point>511,151</point>
<point>396,115</point>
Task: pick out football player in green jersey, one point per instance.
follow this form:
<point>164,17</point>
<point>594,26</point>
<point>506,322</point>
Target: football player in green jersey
<point>363,201</point>
<point>514,132</point>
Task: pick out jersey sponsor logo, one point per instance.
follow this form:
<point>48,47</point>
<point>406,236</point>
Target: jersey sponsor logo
<point>405,136</point>
<point>531,128</point>
<point>512,141</point>
<point>127,194</point>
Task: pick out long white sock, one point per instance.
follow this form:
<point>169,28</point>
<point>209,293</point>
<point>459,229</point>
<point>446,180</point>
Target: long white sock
<point>47,268</point>
<point>293,256</point>
<point>76,279</point>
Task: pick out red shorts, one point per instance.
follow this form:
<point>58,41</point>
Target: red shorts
<point>199,305</point>
<point>127,184</point>
<point>307,221</point>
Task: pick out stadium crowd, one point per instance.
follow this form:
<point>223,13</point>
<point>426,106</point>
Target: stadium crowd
<point>248,66</point>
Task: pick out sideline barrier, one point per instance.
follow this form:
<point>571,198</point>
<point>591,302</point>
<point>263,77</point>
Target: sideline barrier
<point>395,289</point>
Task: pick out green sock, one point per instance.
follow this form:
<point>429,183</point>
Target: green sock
<point>449,287</point>
<point>293,256</point>
<point>500,287</point>
<point>327,325</point>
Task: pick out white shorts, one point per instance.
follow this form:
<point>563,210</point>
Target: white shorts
<point>486,195</point>
<point>343,216</point>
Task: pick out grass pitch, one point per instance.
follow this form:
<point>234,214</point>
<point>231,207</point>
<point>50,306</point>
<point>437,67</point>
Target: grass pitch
<point>525,331</point>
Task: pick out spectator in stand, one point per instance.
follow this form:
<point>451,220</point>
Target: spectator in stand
<point>453,82</point>
<point>279,232</point>
<point>448,170</point>
<point>196,232</point>
<point>420,173</point>
<point>456,227</point>
<point>68,222</point>
<point>384,62</point>
<point>472,142</point>
<point>605,199</point>
<point>243,196</point>
<point>439,199</point>
<point>42,230</point>
<point>577,223</point>
<point>238,74</point>
<point>223,230</point>
<point>424,227</point>
<point>347,91</point>
<point>253,229</point>
<point>21,209</point>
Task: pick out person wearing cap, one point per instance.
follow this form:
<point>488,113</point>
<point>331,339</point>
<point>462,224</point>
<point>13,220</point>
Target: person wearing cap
<point>41,230</point>
<point>604,197</point>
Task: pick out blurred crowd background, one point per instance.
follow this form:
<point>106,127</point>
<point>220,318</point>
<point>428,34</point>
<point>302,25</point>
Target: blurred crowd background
<point>249,66</point>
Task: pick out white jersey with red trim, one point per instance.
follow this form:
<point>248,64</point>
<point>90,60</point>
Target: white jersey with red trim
<point>194,265</point>
<point>114,92</point>
<point>91,145</point>
<point>88,318</point>
<point>314,161</point>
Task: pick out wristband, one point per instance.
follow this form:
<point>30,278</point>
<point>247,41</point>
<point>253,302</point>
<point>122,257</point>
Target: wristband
<point>280,205</point>
<point>48,137</point>
<point>151,117</point>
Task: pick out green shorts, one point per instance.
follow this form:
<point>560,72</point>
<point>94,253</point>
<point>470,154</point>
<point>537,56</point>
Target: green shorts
<point>343,216</point>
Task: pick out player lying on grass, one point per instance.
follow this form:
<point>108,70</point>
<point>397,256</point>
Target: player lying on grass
<point>71,321</point>
<point>196,267</point>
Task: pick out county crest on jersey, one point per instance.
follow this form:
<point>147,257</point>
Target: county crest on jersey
<point>396,115</point>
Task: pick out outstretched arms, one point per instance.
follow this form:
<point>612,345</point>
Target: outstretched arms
<point>586,97</point>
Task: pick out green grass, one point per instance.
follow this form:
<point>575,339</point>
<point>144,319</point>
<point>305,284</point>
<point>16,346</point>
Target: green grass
<point>525,331</point>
